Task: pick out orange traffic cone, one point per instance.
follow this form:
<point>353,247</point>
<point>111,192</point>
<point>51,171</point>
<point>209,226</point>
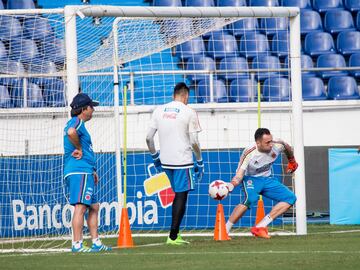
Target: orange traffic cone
<point>260,211</point>
<point>125,238</point>
<point>220,233</point>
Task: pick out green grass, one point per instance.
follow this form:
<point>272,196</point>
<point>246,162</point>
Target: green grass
<point>322,248</point>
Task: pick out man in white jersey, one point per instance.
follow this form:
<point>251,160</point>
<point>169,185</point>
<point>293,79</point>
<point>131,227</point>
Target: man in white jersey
<point>254,172</point>
<point>177,126</point>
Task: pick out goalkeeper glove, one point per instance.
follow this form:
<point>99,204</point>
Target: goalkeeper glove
<point>199,169</point>
<point>230,186</point>
<point>157,162</point>
<point>292,165</point>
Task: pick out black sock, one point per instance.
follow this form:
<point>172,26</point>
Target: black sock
<point>178,211</point>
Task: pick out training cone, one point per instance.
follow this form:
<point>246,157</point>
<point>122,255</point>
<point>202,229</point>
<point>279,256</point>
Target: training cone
<point>125,238</point>
<point>220,233</point>
<point>260,211</point>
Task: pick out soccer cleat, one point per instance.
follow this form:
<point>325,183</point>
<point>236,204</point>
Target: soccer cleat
<point>82,248</point>
<point>177,242</point>
<point>180,240</point>
<point>102,247</point>
<point>261,232</point>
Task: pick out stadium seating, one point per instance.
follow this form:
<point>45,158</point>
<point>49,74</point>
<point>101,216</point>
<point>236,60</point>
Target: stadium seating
<point>313,88</point>
<point>358,20</point>
<point>10,27</point>
<point>280,44</point>
<point>319,43</point>
<point>5,99</point>
<point>342,88</point>
<point>348,42</point>
<point>54,94</point>
<point>1,5</point>
<point>243,26</point>
<point>199,3</point>
<point>170,3</point>
<point>190,48</point>
<point>253,44</point>
<point>260,3</point>
<point>37,28</point>
<point>13,68</point>
<point>271,26</point>
<point>34,96</point>
<point>41,66</point>
<point>3,51</point>
<point>276,89</point>
<point>331,61</point>
<point>243,90</point>
<point>354,61</point>
<point>306,63</point>
<point>303,4</point>
<point>200,63</point>
<point>24,50</point>
<point>220,46</point>
<point>352,5</point>
<point>54,51</point>
<point>326,5</point>
<point>203,91</point>
<point>310,22</point>
<point>231,3</point>
<point>336,21</point>
<point>20,4</point>
<point>233,63</point>
<point>263,63</point>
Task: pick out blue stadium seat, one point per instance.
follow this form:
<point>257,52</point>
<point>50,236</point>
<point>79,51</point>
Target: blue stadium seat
<point>199,63</point>
<point>336,21</point>
<point>233,63</point>
<point>358,20</point>
<point>10,27</point>
<point>34,96</point>
<point>54,50</point>
<point>276,89</point>
<point>168,3</point>
<point>24,50</point>
<point>54,94</point>
<point>220,46</point>
<point>348,42</point>
<point>37,28</point>
<point>354,61</point>
<point>231,3</point>
<point>331,61</point>
<point>41,66</point>
<point>243,90</point>
<point>253,44</point>
<point>5,99</point>
<point>306,63</point>
<point>271,26</point>
<point>342,88</point>
<point>195,46</point>
<point>313,88</point>
<point>3,51</point>
<point>266,62</point>
<point>12,68</point>
<point>280,44</point>
<point>222,31</point>
<point>303,4</point>
<point>20,4</point>
<point>352,5</point>
<point>319,43</point>
<point>310,22</point>
<point>203,91</point>
<point>260,3</point>
<point>1,5</point>
<point>199,3</point>
<point>243,26</point>
<point>326,5</point>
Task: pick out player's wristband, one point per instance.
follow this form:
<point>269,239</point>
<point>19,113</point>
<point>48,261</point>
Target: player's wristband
<point>156,155</point>
<point>200,163</point>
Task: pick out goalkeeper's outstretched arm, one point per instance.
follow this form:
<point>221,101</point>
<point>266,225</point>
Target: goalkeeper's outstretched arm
<point>150,140</point>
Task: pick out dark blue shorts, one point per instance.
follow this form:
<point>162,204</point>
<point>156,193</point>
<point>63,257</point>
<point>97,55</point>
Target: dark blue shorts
<point>269,187</point>
<point>82,189</point>
<point>181,179</point>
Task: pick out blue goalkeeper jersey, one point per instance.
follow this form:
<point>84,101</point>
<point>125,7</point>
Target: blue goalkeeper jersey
<point>87,163</point>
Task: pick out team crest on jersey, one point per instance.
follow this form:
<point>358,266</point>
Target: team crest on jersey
<point>87,197</point>
<point>249,182</point>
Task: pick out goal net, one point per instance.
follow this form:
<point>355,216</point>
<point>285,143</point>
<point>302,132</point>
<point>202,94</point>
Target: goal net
<point>227,65</point>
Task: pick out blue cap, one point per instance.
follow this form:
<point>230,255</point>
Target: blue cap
<point>82,100</point>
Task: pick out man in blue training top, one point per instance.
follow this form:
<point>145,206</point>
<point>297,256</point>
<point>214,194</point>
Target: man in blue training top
<point>80,173</point>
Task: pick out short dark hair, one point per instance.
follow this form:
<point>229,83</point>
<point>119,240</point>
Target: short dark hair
<point>76,112</point>
<point>260,132</point>
<point>181,88</point>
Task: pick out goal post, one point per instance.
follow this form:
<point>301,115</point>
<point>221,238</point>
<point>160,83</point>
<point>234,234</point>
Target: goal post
<point>106,49</point>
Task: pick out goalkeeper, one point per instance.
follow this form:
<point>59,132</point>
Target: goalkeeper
<point>80,173</point>
<point>254,173</point>
<point>177,126</point>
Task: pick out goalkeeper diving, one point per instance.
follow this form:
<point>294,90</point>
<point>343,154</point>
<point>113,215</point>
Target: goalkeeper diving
<point>254,174</point>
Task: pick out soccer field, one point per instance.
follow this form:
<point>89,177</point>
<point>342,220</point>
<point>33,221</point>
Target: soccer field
<point>325,247</point>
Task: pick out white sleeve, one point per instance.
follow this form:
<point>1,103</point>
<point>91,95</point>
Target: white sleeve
<point>153,122</point>
<point>194,124</point>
